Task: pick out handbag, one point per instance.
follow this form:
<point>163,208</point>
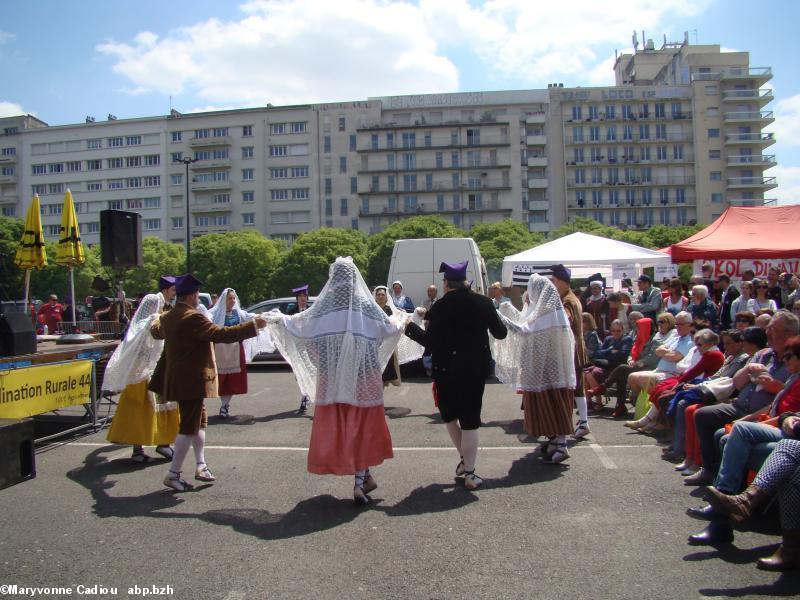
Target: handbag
<point>721,388</point>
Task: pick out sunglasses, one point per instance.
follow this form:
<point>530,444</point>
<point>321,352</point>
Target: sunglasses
<point>762,287</point>
<point>662,321</point>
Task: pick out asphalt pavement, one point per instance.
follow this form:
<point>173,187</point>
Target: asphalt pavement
<point>607,524</point>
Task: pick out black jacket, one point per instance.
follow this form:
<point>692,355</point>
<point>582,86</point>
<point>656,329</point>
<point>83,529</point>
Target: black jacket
<point>725,308</point>
<point>456,334</point>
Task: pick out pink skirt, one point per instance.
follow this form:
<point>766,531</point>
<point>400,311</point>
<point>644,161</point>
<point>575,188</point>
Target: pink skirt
<point>347,438</point>
<point>231,384</point>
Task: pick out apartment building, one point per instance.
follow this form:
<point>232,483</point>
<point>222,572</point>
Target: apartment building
<point>676,140</point>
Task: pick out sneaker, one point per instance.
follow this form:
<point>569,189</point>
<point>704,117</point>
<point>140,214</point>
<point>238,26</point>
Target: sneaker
<point>173,480</point>
<point>224,412</point>
<point>582,430</point>
<point>472,481</point>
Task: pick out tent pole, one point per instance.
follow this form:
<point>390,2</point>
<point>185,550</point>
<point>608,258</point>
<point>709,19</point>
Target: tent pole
<point>72,292</point>
<point>27,290</point>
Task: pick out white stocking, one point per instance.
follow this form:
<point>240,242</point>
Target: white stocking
<point>583,409</point>
<point>454,429</point>
<point>226,401</point>
<point>199,444</point>
<point>182,443</point>
<point>469,448</point>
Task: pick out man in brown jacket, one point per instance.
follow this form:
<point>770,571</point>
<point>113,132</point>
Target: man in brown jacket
<point>190,373</point>
<point>561,279</point>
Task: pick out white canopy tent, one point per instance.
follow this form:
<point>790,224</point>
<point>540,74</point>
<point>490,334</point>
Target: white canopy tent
<point>585,254</point>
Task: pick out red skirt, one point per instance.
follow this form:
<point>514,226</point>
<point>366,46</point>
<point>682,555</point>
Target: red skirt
<point>231,384</point>
<point>347,438</point>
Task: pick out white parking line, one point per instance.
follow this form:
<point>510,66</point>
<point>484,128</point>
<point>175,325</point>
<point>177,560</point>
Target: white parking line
<point>595,447</point>
<point>235,596</point>
<point>259,392</point>
<point>604,458</point>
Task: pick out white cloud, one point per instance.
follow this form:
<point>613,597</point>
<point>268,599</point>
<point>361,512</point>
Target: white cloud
<point>6,36</point>
<point>291,52</point>
<point>788,190</point>
<point>787,121</point>
<point>11,109</point>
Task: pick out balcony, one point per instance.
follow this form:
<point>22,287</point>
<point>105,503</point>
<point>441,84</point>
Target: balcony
<point>432,165</point>
<point>214,163</point>
<point>536,140</point>
<point>760,96</point>
<point>538,183</point>
<point>750,201</point>
<point>200,186</point>
<point>749,160</point>
<point>422,209</point>
<point>484,141</point>
<point>538,205</point>
<point>210,208</point>
<point>538,227</point>
<point>8,160</point>
<point>423,124</point>
<point>9,199</point>
<point>223,140</point>
<point>8,179</point>
<point>762,117</point>
<point>536,119</point>
<point>761,139</point>
<point>537,161</point>
<point>764,183</point>
<point>759,74</point>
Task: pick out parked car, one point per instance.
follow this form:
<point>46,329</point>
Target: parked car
<point>284,305</point>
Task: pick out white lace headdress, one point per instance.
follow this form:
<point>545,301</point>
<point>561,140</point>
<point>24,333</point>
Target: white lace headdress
<point>407,349</point>
<point>538,353</point>
<point>136,356</point>
<point>252,346</point>
<point>340,345</point>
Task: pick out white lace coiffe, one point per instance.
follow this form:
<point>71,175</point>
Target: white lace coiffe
<point>228,354</point>
<point>339,346</point>
<point>538,353</point>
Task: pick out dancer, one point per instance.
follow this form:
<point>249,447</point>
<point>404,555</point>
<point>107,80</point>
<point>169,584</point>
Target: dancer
<point>561,277</point>
<point>301,296</point>
<point>232,359</point>
<point>461,356</point>
<point>338,349</point>
<point>190,375</point>
<point>140,420</point>
<point>391,374</point>
<point>540,363</point>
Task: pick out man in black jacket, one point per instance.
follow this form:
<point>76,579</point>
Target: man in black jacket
<point>457,338</point>
<point>728,294</point>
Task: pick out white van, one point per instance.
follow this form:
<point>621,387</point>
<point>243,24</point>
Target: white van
<point>416,264</point>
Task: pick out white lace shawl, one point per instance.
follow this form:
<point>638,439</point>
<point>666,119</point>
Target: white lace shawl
<point>407,350</point>
<point>340,345</point>
<point>538,353</point>
<point>136,356</point>
<point>228,354</point>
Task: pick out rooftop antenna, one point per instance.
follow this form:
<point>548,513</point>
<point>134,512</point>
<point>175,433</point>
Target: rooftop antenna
<point>170,103</point>
<point>694,31</point>
<point>635,41</point>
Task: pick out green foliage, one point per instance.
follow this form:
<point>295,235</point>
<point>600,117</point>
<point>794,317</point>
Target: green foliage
<point>11,277</point>
<point>656,237</point>
<point>498,240</point>
<point>158,258</point>
<point>662,236</point>
<point>381,244</point>
<point>311,256</point>
<point>243,260</point>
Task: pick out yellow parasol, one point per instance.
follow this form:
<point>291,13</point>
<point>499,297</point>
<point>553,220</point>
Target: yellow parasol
<point>70,250</point>
<point>31,253</point>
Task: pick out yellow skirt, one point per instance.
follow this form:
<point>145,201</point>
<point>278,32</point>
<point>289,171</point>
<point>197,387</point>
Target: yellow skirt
<point>138,421</point>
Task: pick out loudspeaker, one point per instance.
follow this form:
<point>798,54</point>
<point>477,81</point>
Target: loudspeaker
<point>17,335</point>
<point>17,459</point>
<point>120,239</point>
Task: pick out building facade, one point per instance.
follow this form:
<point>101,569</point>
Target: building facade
<point>676,140</point>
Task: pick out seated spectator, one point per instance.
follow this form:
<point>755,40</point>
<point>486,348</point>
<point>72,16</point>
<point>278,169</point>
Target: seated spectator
<point>744,319</point>
<point>702,308</point>
<point>615,351</point>
<point>669,353</point>
<point>675,302</point>
<point>763,320</point>
<point>52,313</point>
<point>618,310</point>
<point>761,298</point>
<point>642,357</point>
<point>741,304</point>
<point>780,475</point>
<point>796,307</point>
<point>758,382</point>
<point>701,362</point>
<point>596,305</point>
<point>590,338</point>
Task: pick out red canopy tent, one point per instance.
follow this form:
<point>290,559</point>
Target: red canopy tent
<point>741,232</point>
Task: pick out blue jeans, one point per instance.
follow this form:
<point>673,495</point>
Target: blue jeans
<point>747,441</point>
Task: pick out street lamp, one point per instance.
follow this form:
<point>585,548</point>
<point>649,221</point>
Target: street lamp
<point>187,161</point>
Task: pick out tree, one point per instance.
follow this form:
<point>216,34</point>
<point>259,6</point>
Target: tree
<point>311,255</point>
<point>498,240</point>
<point>381,244</point>
<point>662,236</point>
<point>11,276</point>
<point>242,260</point>
<point>158,258</point>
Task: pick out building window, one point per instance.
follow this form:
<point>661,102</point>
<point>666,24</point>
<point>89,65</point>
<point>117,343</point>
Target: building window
<point>176,157</point>
<point>713,133</point>
<point>74,166</point>
<point>134,204</point>
<point>247,152</point>
<point>299,127</point>
<point>343,207</point>
<point>38,169</point>
<point>299,171</point>
<point>714,155</point>
<point>220,131</point>
<point>176,179</point>
<point>94,186</point>
<point>328,185</point>
<point>115,184</point>
<point>352,143</point>
<point>248,218</point>
<point>133,182</point>
<point>300,194</point>
<point>152,224</point>
<point>222,199</point>
<point>277,128</point>
<point>176,136</point>
<point>342,124</point>
<point>680,196</point>
<point>152,160</point>
<point>133,140</point>
<point>279,194</point>
<point>712,90</point>
<point>114,163</point>
<point>247,131</point>
<point>153,202</point>
<point>115,142</point>
<point>201,221</point>
<point>278,150</point>
<point>248,196</point>
<point>55,168</point>
<point>326,144</point>
<point>715,175</point>
<point>716,198</point>
<point>56,188</point>
<point>342,164</point>
<point>354,185</point>
<point>152,181</point>
<point>115,205</point>
<point>94,165</point>
<point>577,114</point>
<point>9,211</point>
<point>94,144</point>
<point>248,174</point>
<point>202,133</point>
<point>409,139</point>
<point>133,161</point>
<point>177,222</point>
<point>328,207</point>
<point>677,152</point>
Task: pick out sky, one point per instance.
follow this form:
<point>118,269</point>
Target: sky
<point>62,61</point>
